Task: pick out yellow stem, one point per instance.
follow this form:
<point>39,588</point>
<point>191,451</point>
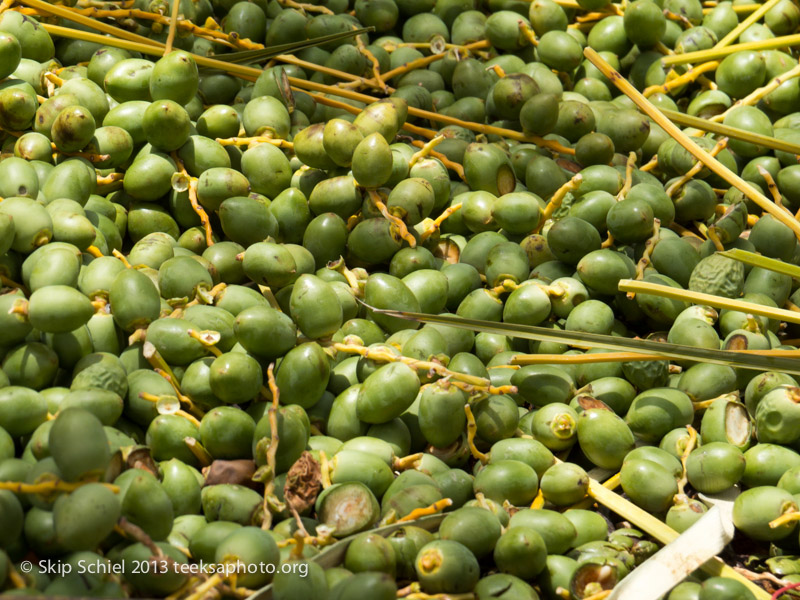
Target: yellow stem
<point>788,517</point>
<point>397,223</point>
<point>173,26</point>
<point>453,166</point>
<point>272,450</point>
<point>685,23</point>
<point>711,233</point>
<point>772,187</point>
<point>720,53</point>
<point>46,487</point>
<point>650,165</point>
<point>629,166</point>
<point>754,17</point>
<point>690,76</point>
<point>208,339</point>
<point>325,470</point>
<point>425,61</point>
<point>690,445</point>
<point>433,509</point>
<point>699,153</point>
<point>630,285</point>
<point>649,245</point>
<point>528,33</point>
<point>426,149</point>
<point>558,197</point>
<point>312,8</point>
<point>376,67</point>
<point>472,430</point>
<point>675,187</point>
<point>110,178</point>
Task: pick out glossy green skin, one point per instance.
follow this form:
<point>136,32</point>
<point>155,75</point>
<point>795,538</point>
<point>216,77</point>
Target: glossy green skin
<point>78,444</point>
<point>291,429</point>
<point>766,463</point>
<point>33,226</point>
<point>236,378</point>
<point>378,585</point>
<point>314,307</point>
<point>555,426</point>
<point>775,416</point>
<point>77,528</point>
<point>171,339</point>
<point>19,179</point>
<point>508,480</point>
<point>227,433</point>
<point>145,503</point>
<point>22,410</point>
<point>683,515</point>
<point>387,292</point>
<point>264,331</point>
<point>182,485</point>
<point>134,300</point>
<point>564,484</point>
<point>310,149</point>
<point>601,270</point>
<point>648,484</point>
<point>496,417</point>
<point>604,437</point>
<point>204,542</point>
<point>557,574</point>
<point>149,177</point>
<point>521,551</point>
<point>655,412</point>
<point>527,305</point>
<point>230,502</point>
<point>31,365</point>
<point>174,77</point>
<point>370,552</point>
<point>387,393</point>
<point>724,588</point>
<point>715,467</point>
<point>445,566</point>
<point>251,545</point>
<point>441,414</point>
<point>555,529</point>
<point>303,374</point>
<point>411,498</point>
<point>165,436</point>
<point>353,466</point>
<point>754,508</point>
<point>475,528</point>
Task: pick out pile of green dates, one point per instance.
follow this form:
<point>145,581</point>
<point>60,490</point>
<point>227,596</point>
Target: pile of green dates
<point>136,347</point>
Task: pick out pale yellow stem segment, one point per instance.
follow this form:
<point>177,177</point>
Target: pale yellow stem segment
<point>630,285</point>
<point>433,509</point>
<point>173,26</point>
<point>720,53</point>
<point>45,487</point>
<point>472,430</point>
<point>698,152</point>
<point>663,533</point>
<point>754,17</point>
<point>557,199</point>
